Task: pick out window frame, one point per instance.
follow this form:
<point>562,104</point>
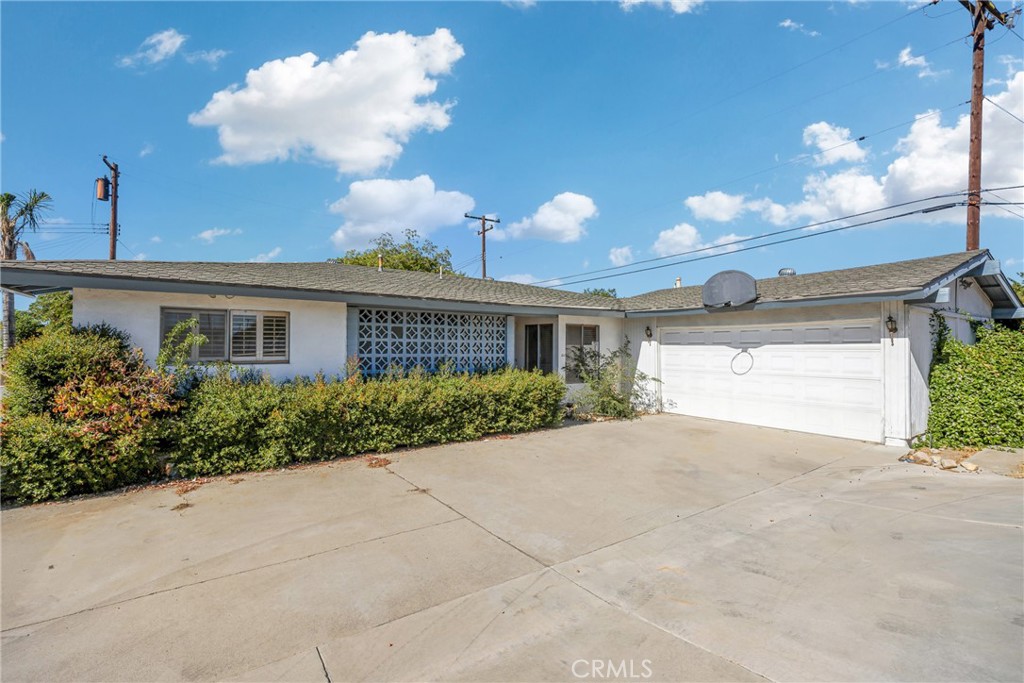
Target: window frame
<point>259,356</point>
<point>571,377</point>
<point>193,314</point>
<point>228,353</point>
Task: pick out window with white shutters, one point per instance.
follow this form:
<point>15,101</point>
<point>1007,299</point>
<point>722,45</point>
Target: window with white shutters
<point>275,336</point>
<point>238,336</point>
<point>243,336</point>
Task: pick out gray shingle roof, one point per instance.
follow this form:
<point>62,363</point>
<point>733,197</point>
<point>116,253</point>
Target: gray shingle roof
<point>323,277</point>
<point>885,278</point>
<point>332,278</point>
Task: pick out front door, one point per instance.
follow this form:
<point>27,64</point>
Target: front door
<point>540,347</point>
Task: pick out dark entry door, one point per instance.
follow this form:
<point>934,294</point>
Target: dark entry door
<point>540,347</point>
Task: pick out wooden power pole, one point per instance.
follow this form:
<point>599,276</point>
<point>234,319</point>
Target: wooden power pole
<point>113,206</point>
<point>981,10</point>
<point>484,229</point>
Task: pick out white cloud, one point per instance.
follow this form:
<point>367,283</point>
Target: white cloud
<point>269,256</point>
<point>209,236</point>
<point>716,206</point>
<point>562,219</point>
<point>527,279</point>
<point>620,256</point>
<point>355,111</point>
<point>1012,63</point>
<point>839,194</point>
<point>798,27</point>
<point>146,150</point>
<point>211,57</point>
<point>907,60</point>
<point>684,237</point>
<point>723,208</point>
<point>930,160</point>
<point>156,239</point>
<point>372,207</point>
<point>677,6</point>
<point>157,48</point>
<point>834,144</point>
<point>519,4</point>
<point>141,256</point>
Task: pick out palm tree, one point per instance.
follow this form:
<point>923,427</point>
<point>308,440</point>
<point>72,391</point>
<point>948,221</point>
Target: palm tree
<point>16,214</point>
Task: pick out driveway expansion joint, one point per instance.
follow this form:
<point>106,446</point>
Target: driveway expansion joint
<point>327,675</point>
<point>240,572</point>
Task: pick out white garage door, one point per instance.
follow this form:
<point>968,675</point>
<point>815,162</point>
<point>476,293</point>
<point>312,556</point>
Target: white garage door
<point>819,378</point>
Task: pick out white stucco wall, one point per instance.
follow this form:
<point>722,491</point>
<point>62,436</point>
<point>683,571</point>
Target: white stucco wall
<point>645,351</point>
<point>316,329</point>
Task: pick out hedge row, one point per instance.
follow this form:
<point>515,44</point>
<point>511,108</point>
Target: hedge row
<point>977,391</point>
<point>83,413</point>
<point>234,426</point>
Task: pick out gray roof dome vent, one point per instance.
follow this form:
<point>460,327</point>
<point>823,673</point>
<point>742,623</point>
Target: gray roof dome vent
<point>786,272</point>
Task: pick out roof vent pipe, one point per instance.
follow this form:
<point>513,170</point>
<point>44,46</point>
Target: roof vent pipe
<point>679,283</point>
<point>786,272</point>
<point>380,263</point>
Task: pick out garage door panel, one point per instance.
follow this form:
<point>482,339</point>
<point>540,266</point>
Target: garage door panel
<point>829,387</point>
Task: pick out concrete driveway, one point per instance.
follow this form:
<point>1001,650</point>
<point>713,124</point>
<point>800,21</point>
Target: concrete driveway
<point>664,549</point>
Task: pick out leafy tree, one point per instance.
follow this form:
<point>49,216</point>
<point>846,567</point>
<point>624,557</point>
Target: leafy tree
<point>17,214</point>
<point>52,309</point>
<point>48,312</point>
<point>1018,285</point>
<point>415,253</point>
<point>601,291</point>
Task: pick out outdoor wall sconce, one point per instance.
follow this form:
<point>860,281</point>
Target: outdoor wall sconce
<point>890,324</point>
<point>647,332</point>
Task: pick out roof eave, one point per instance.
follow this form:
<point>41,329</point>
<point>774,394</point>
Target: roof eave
<point>783,303</point>
<point>44,281</point>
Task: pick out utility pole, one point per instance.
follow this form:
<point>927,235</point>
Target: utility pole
<point>980,11</point>
<point>484,229</point>
<point>113,207</point>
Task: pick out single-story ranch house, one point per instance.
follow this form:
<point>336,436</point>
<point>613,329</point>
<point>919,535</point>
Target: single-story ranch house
<point>843,353</point>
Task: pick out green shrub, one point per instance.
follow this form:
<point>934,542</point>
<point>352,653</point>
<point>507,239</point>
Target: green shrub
<point>977,391</point>
<point>85,416</point>
<point>231,425</point>
<point>613,387</point>
<point>35,368</point>
<point>45,458</point>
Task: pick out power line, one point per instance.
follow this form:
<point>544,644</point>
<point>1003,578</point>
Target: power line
<point>762,236</point>
<point>929,209</point>
<point>998,106</point>
<point>119,241</point>
<point>873,74</point>
<point>862,138</point>
<point>793,68</point>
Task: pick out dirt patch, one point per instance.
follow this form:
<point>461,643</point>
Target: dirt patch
<point>188,485</point>
<point>377,461</point>
<point>181,506</point>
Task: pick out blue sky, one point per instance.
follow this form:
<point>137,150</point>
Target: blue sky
<point>602,134</point>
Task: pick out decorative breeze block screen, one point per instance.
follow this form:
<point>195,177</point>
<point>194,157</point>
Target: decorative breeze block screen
<point>410,338</point>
